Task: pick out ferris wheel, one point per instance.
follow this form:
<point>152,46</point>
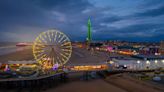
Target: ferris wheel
<point>52,48</point>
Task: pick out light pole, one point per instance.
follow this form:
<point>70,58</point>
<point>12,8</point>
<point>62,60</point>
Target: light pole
<point>138,62</point>
<point>156,62</point>
<point>147,64</point>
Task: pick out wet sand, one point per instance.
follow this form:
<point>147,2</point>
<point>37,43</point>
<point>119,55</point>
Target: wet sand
<point>114,83</point>
<point>87,86</point>
<point>79,56</point>
<point>130,84</point>
<point>17,56</point>
<point>82,56</point>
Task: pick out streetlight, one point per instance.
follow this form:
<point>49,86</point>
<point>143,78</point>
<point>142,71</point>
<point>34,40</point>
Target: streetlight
<point>162,61</point>
<point>138,62</point>
<point>156,63</point>
<point>147,62</point>
<point>111,62</point>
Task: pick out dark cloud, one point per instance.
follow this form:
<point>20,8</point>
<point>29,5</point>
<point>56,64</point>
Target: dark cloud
<point>111,19</point>
<point>63,5</point>
<point>153,12</point>
<point>22,20</point>
<point>152,3</point>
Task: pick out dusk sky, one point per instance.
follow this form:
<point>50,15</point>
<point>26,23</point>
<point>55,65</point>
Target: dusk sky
<point>132,20</point>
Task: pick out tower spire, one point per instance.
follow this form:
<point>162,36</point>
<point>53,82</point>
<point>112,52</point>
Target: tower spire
<point>89,38</point>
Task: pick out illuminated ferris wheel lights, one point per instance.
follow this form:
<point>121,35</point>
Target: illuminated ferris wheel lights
<point>52,47</point>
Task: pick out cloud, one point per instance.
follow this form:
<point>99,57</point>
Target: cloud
<point>23,20</point>
<point>152,12</point>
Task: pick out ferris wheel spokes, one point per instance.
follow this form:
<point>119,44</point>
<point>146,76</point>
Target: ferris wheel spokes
<point>52,47</point>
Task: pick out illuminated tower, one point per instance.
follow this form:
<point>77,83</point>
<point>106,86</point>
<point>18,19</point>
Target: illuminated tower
<point>89,37</point>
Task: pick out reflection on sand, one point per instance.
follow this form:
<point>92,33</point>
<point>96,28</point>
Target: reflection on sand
<point>9,49</point>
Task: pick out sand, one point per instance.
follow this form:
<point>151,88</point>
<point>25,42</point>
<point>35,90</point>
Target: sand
<point>87,86</point>
<point>131,84</point>
<point>79,56</point>
<point>17,56</point>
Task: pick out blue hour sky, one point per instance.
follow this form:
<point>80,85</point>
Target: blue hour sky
<point>132,20</point>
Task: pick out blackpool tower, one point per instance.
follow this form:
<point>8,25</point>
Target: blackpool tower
<point>89,37</point>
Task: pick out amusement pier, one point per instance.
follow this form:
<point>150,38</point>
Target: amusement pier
<point>55,63</point>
